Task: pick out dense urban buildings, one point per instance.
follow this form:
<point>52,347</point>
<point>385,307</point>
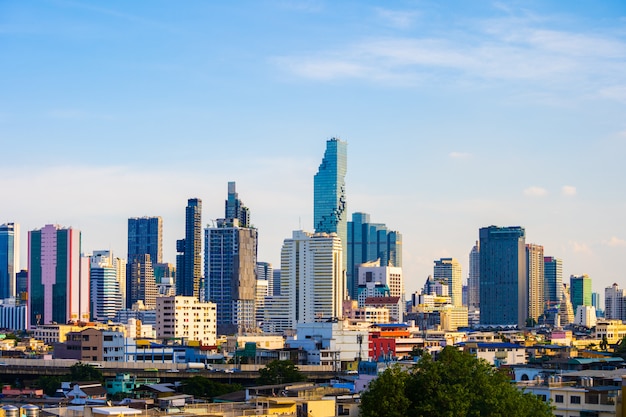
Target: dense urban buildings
<point>58,276</point>
<point>9,259</point>
<point>369,242</point>
<point>189,258</point>
<point>330,210</point>
<point>503,278</point>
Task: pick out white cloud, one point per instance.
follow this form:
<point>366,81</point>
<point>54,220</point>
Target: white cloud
<point>578,247</point>
<point>615,241</point>
<point>535,192</point>
<point>459,155</point>
<point>568,190</point>
<point>397,19</point>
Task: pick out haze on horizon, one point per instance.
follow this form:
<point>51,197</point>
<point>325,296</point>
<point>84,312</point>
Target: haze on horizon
<point>457,116</point>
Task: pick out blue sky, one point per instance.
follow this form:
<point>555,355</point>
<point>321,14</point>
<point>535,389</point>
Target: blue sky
<point>458,115</point>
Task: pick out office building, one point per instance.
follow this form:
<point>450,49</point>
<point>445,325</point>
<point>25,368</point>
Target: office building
<point>189,258</point>
<point>379,284</point>
<point>330,209</point>
<point>230,269</point>
<point>553,281</point>
<point>235,208</point>
<point>9,259</point>
<point>13,315</point>
<point>186,319</point>
<point>503,279</point>
<point>448,270</point>
<point>141,286</point>
<point>58,276</point>
<point>22,286</point>
<point>106,297</point>
<point>535,276</point>
<point>580,290</point>
<point>145,236</point>
<point>615,303</point>
<point>312,277</point>
<point>265,272</point>
<point>566,310</point>
<point>369,242</point>
<point>473,278</point>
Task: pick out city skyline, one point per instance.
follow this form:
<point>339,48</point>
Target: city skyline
<point>456,117</point>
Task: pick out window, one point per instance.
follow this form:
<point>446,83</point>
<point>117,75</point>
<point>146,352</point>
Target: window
<point>558,398</point>
<point>575,399</point>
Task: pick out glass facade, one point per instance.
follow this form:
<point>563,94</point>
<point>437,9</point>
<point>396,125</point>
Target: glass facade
<point>329,193</point>
<point>580,290</point>
<point>9,249</point>
<point>503,278</point>
<point>145,235</point>
<point>553,280</point>
<point>189,258</point>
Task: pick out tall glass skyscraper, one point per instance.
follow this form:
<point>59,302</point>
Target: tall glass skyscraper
<point>9,259</point>
<point>106,295</point>
<point>368,242</point>
<point>189,258</point>
<point>553,280</point>
<point>235,208</point>
<point>145,236</point>
<point>503,277</point>
<point>330,209</point>
<point>473,278</point>
<point>580,290</point>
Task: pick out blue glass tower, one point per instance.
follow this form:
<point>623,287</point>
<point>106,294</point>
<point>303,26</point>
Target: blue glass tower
<point>9,259</point>
<point>189,258</point>
<point>503,279</point>
<point>330,209</point>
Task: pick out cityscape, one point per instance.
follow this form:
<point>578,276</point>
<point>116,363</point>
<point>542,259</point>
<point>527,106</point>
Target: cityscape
<point>309,199</point>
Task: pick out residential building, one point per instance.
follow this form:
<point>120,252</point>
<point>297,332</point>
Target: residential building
<point>535,276</point>
<point>503,279</point>
<point>553,281</point>
<point>613,330</point>
<point>448,270</point>
<point>235,208</point>
<point>614,303</point>
<point>141,285</point>
<point>369,242</point>
<point>312,276</point>
<point>189,258</point>
<point>372,275</point>
<point>9,259</point>
<point>186,319</point>
<point>58,276</point>
<point>473,278</point>
<point>586,316</point>
<point>330,209</point>
<point>580,290</point>
<point>13,315</point>
<point>106,297</point>
<point>566,310</point>
<point>92,344</point>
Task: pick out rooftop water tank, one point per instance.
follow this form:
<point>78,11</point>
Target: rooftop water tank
<point>29,410</point>
<point>10,410</point>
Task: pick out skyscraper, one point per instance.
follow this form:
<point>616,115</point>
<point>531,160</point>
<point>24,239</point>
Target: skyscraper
<point>235,208</point>
<point>368,242</point>
<point>9,259</point>
<point>535,277</point>
<point>145,236</point>
<point>503,279</point>
<point>614,303</point>
<point>473,278</point>
<point>312,277</point>
<point>449,271</point>
<point>141,285</point>
<point>58,276</point>
<point>330,209</point>
<point>230,269</point>
<point>580,290</point>
<point>106,296</point>
<point>553,281</point>
<point>189,258</point>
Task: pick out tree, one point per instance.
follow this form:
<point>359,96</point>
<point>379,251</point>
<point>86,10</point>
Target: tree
<point>385,396</point>
<point>280,372</point>
<point>604,344</point>
<point>199,386</point>
<point>456,384</point>
<point>84,372</point>
<point>50,384</point>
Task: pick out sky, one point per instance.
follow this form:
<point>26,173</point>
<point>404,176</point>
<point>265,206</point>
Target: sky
<point>458,115</point>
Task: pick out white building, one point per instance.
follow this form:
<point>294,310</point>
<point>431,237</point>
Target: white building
<point>586,316</point>
<point>276,315</point>
<point>312,276</point>
<point>614,303</point>
<point>106,295</point>
<point>186,318</point>
<point>372,277</point>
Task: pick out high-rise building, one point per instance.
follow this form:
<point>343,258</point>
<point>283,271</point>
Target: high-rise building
<point>141,285</point>
<point>473,278</point>
<point>145,235</point>
<point>553,281</point>
<point>580,290</point>
<point>9,259</point>
<point>330,209</point>
<point>566,311</point>
<point>235,208</point>
<point>189,258</point>
<point>535,277</point>
<point>376,281</point>
<point>615,303</point>
<point>449,271</point>
<point>58,276</point>
<point>369,242</point>
<point>186,318</point>
<point>265,272</point>
<point>106,296</point>
<point>312,277</point>
<point>230,269</point>
<point>503,279</point>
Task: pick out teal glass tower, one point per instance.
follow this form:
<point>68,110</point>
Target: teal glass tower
<point>580,290</point>
<point>330,209</point>
<point>9,259</point>
<point>503,278</point>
